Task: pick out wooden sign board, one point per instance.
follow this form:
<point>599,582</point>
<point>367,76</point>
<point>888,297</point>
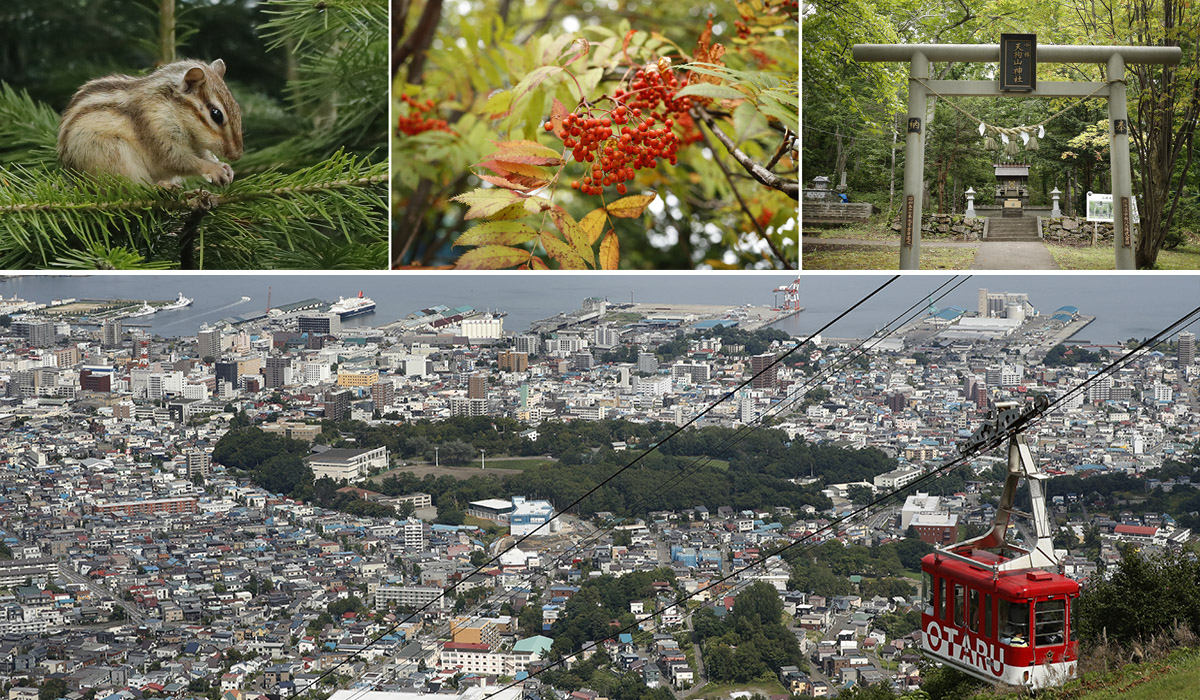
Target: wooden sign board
<point>1018,62</point>
<point>1126,229</point>
<point>909,204</point>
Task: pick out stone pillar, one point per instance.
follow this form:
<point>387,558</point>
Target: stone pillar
<point>970,203</point>
<point>1055,213</point>
<point>1122,186</point>
<point>914,166</point>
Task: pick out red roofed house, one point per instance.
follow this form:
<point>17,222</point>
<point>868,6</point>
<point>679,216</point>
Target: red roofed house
<point>1140,534</point>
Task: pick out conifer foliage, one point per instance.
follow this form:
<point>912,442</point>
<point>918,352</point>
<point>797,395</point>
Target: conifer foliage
<point>309,191</point>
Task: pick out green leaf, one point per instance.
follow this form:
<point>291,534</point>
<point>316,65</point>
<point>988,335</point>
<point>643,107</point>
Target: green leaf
<point>483,202</point>
<point>498,103</point>
<point>497,233</point>
<point>531,81</point>
<point>717,92</point>
<point>492,257</point>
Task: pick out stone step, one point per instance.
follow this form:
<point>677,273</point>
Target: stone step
<point>1013,229</point>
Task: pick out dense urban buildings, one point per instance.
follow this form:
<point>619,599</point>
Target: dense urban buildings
<point>156,548</point>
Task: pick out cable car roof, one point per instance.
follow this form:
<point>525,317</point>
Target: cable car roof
<point>1022,583</point>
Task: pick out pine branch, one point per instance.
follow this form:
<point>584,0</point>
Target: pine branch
<point>28,129</point>
<point>339,46</point>
<point>47,214</point>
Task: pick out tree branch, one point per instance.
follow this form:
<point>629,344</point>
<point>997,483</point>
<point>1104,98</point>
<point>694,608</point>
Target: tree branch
<point>194,200</point>
<point>753,220</point>
<point>416,45</point>
<point>789,187</point>
<point>784,146</point>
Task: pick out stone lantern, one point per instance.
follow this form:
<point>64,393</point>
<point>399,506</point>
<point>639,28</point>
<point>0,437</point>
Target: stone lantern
<point>970,202</point>
<point>1055,212</point>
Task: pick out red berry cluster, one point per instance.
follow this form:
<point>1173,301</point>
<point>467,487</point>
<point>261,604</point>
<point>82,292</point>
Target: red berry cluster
<point>414,122</point>
<point>636,134</point>
<point>743,30</point>
<point>616,155</point>
<point>655,90</point>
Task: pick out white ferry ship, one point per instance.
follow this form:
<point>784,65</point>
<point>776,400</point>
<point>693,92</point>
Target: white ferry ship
<point>354,306</point>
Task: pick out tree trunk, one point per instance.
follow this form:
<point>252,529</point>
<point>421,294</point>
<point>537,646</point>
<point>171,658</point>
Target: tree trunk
<point>166,32</point>
<point>1167,97</point>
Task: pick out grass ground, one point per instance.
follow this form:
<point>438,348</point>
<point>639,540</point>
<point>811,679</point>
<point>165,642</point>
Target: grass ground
<point>1178,676</point>
<point>715,691</point>
<point>870,257</point>
<point>715,463</point>
<point>422,470</point>
<point>873,230</point>
<point>1186,257</point>
<point>521,464</point>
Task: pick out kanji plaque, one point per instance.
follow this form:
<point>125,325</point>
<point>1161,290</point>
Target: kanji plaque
<point>1018,62</point>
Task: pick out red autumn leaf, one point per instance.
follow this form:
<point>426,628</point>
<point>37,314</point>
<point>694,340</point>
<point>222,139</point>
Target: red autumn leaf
<point>557,112</point>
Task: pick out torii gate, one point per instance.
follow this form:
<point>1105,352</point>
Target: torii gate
<point>1020,84</point>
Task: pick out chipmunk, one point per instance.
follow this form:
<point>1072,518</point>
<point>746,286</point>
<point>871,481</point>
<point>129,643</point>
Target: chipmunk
<point>155,129</point>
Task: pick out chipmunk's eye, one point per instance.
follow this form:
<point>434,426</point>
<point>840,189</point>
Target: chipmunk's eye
<point>217,115</point>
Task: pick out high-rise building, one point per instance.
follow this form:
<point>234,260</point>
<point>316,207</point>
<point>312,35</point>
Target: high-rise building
<point>66,357</point>
<point>527,344</point>
<point>477,386</point>
<point>208,342</point>
<point>414,535</point>
<point>336,403</point>
<point>111,334</point>
<point>582,360</point>
<point>39,334</point>
<point>604,336</point>
<point>323,324</point>
<point>275,370</point>
<point>382,395</point>
<point>1187,348</point>
<point>227,372</point>
<point>512,361</point>
<point>199,463</point>
<point>764,371</point>
<point>647,362</point>
<point>695,372</point>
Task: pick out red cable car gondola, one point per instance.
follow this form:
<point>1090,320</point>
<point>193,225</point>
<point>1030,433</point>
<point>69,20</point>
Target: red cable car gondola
<point>994,610</point>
